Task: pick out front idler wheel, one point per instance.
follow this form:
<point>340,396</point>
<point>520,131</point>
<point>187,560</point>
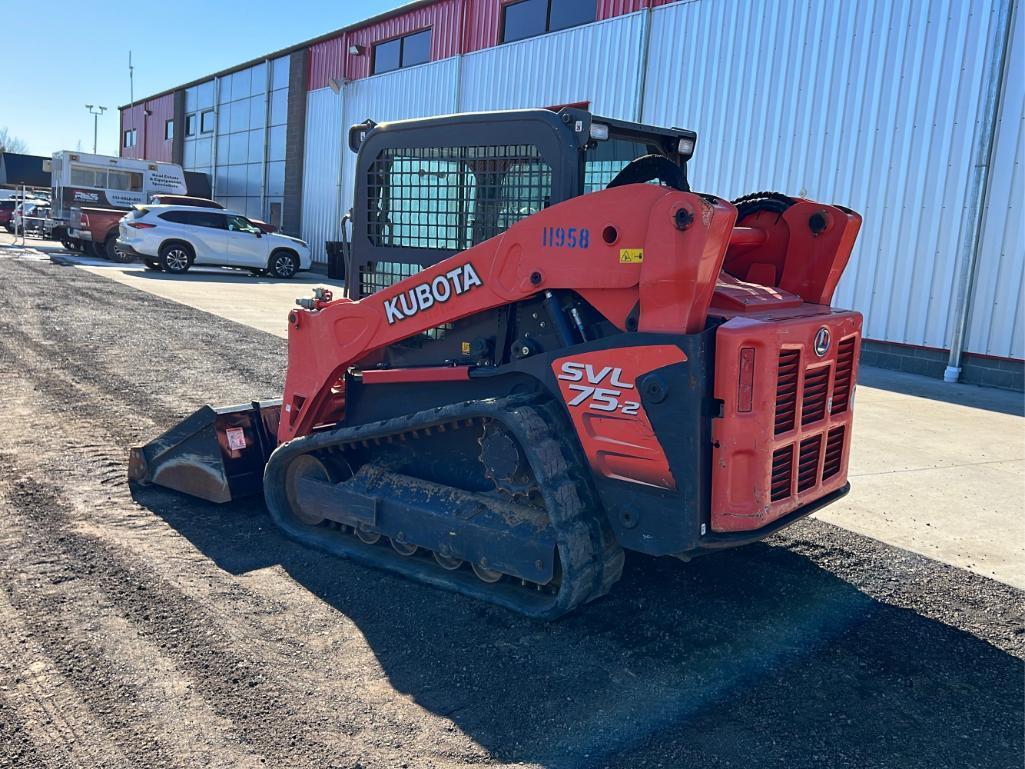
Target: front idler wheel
<point>302,467</point>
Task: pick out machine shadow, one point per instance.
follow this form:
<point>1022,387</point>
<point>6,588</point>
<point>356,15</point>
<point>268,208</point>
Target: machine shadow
<point>756,657</point>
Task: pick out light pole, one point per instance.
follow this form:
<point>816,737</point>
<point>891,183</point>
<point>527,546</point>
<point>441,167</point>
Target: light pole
<point>96,119</point>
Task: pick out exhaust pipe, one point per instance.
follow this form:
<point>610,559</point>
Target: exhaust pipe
<point>217,454</point>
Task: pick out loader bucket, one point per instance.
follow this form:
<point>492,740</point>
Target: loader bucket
<point>216,454</point>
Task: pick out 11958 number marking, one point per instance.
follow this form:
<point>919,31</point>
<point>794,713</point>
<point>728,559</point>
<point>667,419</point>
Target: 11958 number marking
<point>565,237</point>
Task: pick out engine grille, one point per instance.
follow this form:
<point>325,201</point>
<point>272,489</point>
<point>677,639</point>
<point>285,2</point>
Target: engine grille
<point>808,463</point>
<point>786,390</point>
<point>782,473</point>
<point>834,452</point>
<point>816,387</point>
<point>842,378</point>
<point>807,397</point>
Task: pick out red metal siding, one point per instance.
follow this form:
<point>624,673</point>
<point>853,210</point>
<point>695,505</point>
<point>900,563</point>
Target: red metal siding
<point>457,26</point>
<point>484,17</point>
<point>330,59</point>
<point>150,143</point>
<point>327,61</point>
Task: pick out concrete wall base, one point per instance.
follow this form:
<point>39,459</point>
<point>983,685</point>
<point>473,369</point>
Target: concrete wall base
<point>1005,373</point>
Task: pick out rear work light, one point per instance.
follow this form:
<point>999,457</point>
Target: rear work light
<point>141,225</point>
<point>599,131</point>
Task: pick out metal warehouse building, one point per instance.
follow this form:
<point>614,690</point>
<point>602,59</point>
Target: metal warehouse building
<point>909,111</point>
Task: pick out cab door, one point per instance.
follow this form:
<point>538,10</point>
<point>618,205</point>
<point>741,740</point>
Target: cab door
<point>246,245</point>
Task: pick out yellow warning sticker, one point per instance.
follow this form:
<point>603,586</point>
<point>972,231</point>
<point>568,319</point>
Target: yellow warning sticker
<point>631,255</point>
<point>466,348</point>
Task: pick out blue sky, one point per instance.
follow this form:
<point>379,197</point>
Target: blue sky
<point>72,54</point>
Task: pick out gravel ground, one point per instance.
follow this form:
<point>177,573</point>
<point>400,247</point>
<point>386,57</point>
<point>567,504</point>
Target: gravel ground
<point>161,632</point>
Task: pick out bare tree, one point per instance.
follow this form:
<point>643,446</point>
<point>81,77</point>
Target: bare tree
<point>10,143</point>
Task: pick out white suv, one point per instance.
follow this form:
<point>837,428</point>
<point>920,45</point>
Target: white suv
<point>173,238</point>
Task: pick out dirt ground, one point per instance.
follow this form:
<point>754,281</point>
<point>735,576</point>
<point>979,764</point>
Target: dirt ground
<point>158,631</point>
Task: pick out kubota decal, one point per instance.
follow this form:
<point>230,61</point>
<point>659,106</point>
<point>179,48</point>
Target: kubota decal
<point>435,291</point>
<point>600,389</point>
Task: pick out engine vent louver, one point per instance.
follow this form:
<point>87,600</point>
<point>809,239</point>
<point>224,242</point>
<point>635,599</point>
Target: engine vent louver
<point>782,473</point>
<point>834,453</point>
<point>808,463</point>
<point>816,387</point>
<point>786,389</point>
<point>842,378</point>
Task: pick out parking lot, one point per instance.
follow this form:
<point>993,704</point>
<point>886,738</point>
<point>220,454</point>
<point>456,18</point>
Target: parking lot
<point>163,632</point>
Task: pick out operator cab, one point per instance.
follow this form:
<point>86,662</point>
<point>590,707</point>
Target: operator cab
<point>429,188</point>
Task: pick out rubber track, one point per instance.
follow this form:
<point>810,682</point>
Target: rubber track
<point>591,559</point>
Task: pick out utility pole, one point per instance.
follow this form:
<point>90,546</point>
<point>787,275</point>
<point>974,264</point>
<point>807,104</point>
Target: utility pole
<point>96,119</point>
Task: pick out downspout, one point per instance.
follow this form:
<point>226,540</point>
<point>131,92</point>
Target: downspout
<point>268,81</point>
<point>979,188</point>
<point>343,144</point>
<point>217,129</point>
<point>642,76</point>
<point>459,60</point>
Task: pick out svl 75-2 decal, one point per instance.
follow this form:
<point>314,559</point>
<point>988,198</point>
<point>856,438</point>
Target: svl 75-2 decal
<point>601,394</point>
<point>590,394</point>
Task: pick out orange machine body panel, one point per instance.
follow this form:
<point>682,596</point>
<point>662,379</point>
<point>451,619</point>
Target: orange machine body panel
<point>633,251</point>
<point>674,261</point>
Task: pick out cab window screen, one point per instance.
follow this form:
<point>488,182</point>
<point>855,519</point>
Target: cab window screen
<point>450,198</point>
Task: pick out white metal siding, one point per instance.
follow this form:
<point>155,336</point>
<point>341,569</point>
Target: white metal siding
<point>421,91</point>
<point>996,320</point>
<point>599,63</point>
<point>873,104</point>
<point>322,167</point>
<point>869,103</point>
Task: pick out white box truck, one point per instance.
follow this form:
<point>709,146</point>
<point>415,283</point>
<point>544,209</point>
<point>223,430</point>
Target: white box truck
<point>81,180</point>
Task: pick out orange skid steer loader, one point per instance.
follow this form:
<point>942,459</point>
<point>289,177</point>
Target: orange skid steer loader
<point>551,351</point>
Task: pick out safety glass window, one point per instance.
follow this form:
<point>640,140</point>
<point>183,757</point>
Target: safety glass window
<point>604,159</point>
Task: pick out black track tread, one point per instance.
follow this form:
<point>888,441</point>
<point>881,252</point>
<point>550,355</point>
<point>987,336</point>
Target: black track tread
<point>591,559</point>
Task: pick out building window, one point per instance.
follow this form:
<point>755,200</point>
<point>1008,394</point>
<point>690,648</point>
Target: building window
<point>130,137</point>
<point>406,51</point>
<point>529,18</point>
<point>190,125</point>
<point>206,122</point>
<point>168,129</point>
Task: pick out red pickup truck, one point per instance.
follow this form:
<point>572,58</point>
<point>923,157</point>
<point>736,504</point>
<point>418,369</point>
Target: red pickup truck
<point>97,229</point>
